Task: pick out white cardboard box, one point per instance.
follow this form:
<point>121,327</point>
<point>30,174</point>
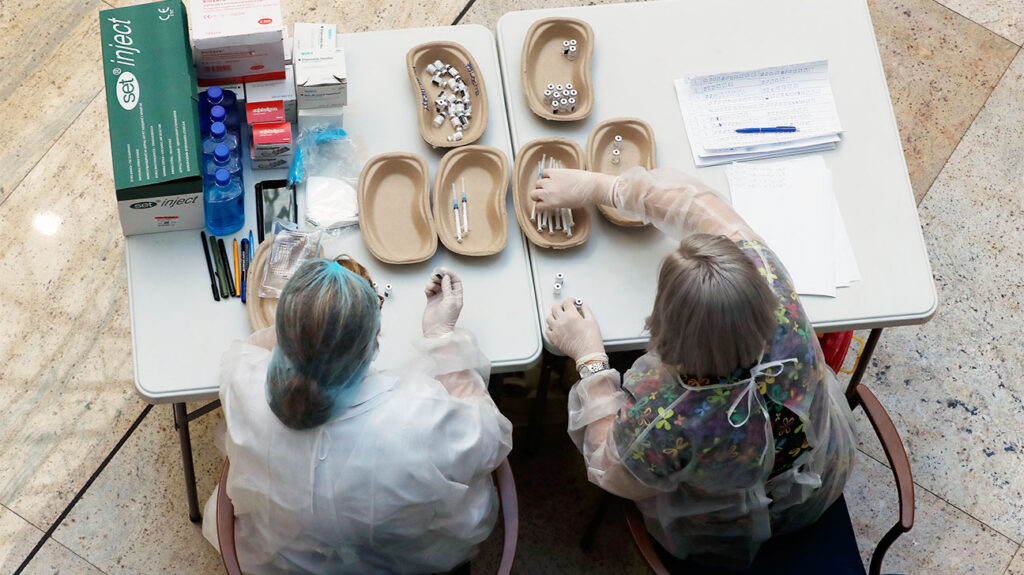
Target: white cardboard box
<point>321,83</point>
<point>271,90</point>
<point>314,41</point>
<point>237,41</point>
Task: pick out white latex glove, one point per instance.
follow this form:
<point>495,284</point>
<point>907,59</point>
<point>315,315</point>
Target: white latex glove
<point>444,302</point>
<point>572,189</point>
<point>576,335</point>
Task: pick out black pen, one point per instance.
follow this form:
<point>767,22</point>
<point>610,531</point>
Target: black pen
<point>209,268</point>
<point>220,268</point>
<point>243,259</point>
<point>227,267</point>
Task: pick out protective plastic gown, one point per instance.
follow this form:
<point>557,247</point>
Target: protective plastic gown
<point>698,456</point>
<point>397,483</point>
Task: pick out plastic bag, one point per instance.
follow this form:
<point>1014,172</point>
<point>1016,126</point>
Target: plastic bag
<point>328,162</point>
<point>291,249</point>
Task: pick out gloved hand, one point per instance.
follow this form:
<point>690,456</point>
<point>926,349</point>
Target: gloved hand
<point>444,302</point>
<point>560,188</point>
<point>576,335</point>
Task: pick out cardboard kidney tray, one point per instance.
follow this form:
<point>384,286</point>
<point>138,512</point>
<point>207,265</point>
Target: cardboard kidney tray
<point>457,56</point>
<point>543,63</point>
<point>482,171</point>
<point>394,208</point>
<point>636,148</point>
<point>566,154</point>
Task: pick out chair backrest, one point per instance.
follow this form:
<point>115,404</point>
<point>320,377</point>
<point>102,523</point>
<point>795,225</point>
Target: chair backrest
<point>503,480</point>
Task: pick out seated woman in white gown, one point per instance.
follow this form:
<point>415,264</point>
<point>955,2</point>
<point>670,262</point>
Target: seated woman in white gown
<point>339,468</point>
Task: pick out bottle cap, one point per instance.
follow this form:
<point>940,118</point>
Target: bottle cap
<point>222,177</point>
<point>221,153</point>
<point>215,94</point>
<point>217,130</point>
<point>218,113</point>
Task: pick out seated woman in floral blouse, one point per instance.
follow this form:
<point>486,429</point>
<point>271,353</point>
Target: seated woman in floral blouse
<point>732,429</point>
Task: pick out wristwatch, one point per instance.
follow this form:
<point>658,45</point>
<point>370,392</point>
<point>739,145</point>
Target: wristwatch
<point>593,367</point>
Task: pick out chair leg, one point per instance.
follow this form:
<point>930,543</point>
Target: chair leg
<point>539,406</point>
<point>590,533</point>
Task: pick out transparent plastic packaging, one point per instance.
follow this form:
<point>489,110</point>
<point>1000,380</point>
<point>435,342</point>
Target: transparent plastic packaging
<point>328,162</point>
<point>291,249</point>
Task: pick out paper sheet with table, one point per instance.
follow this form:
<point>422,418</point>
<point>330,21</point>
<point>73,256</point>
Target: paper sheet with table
<point>715,106</point>
<point>791,204</point>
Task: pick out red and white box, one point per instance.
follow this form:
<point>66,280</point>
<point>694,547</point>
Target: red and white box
<point>237,41</point>
<point>265,112</point>
<point>271,144</point>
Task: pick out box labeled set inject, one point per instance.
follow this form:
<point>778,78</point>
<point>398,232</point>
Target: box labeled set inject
<point>153,118</point>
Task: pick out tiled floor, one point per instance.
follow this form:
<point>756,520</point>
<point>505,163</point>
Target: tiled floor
<point>953,385</point>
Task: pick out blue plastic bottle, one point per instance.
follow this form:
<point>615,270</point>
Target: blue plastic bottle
<point>229,117</point>
<point>219,135</point>
<point>215,96</point>
<point>224,203</point>
<point>222,159</point>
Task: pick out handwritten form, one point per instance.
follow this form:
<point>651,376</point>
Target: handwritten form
<point>716,105</point>
<point>791,204</point>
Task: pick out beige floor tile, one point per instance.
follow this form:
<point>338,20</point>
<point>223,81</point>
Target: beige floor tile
<point>940,68</point>
<point>487,12</point>
<point>943,540</point>
<point>372,15</point>
<point>55,559</point>
<point>1004,17</point>
<point>65,358</point>
<point>134,518</point>
<point>17,538</point>
<point>953,386</point>
<point>50,55</point>
<point>1017,565</point>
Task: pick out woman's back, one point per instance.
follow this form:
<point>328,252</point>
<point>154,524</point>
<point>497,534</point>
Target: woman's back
<point>398,482</point>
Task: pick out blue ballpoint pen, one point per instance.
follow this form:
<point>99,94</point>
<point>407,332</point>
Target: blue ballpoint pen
<point>766,130</point>
<point>252,249</point>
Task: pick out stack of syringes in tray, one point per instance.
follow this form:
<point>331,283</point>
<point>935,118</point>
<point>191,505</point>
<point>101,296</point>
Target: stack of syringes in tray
<point>556,219</point>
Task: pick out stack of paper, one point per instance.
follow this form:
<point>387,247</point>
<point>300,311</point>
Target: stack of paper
<point>792,206</point>
<point>798,95</point>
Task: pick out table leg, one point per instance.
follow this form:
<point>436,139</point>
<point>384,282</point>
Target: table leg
<point>862,365</point>
<point>181,424</point>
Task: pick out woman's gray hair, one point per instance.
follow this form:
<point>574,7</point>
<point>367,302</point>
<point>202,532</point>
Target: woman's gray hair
<point>714,312</point>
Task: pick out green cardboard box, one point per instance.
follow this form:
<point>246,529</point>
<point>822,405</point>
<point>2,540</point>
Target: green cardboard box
<point>153,117</point>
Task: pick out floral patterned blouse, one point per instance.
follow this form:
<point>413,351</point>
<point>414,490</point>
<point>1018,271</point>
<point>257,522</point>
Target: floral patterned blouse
<point>674,425</point>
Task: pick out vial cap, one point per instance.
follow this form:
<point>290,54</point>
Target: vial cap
<point>221,153</point>
<point>215,94</point>
<point>218,113</point>
<point>217,130</point>
<point>222,177</point>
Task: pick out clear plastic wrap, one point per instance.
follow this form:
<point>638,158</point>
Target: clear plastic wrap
<point>328,162</point>
<point>291,249</point>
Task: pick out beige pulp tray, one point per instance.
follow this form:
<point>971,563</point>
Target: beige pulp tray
<point>261,310</point>
<point>524,180</point>
<point>453,54</point>
<point>637,149</point>
<point>394,208</point>
<point>484,171</point>
<point>543,63</point>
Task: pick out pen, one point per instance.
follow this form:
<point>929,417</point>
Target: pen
<point>766,130</point>
<point>245,265</point>
<point>227,267</point>
<point>252,250</point>
<point>209,268</point>
<point>221,278</point>
<point>238,276</point>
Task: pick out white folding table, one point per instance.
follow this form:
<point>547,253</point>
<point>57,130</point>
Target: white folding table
<point>640,49</point>
<point>179,332</point>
